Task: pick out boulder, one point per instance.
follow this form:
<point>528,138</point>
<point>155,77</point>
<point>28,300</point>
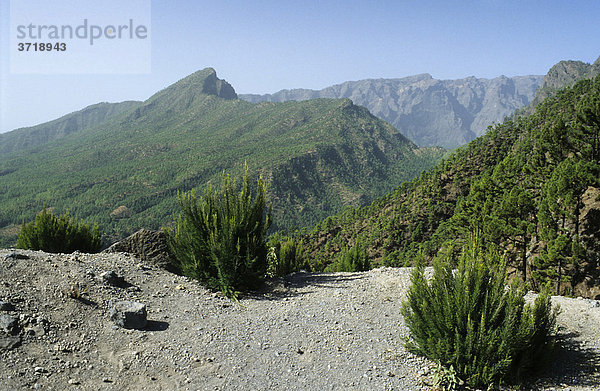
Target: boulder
<point>16,255</point>
<point>149,246</point>
<point>9,324</point>
<point>9,342</point>
<point>129,314</point>
<point>111,278</point>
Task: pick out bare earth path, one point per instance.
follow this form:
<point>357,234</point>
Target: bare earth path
<point>339,331</point>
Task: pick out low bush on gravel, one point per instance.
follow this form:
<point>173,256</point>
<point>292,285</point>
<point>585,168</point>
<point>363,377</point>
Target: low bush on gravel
<point>286,255</point>
<point>59,234</point>
<point>353,259</point>
<point>471,321</point>
<point>77,289</point>
<point>220,237</point>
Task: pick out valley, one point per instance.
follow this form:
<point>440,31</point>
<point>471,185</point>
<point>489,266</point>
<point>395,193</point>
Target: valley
<point>122,165</point>
<point>332,165</point>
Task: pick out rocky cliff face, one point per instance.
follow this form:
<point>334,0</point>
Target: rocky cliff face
<point>589,223</point>
<point>214,86</point>
<point>561,75</point>
<point>447,113</point>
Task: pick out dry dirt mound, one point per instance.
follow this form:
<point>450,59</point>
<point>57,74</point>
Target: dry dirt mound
<point>337,331</point>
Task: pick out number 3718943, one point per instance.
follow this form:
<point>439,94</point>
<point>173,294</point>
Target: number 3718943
<point>41,47</point>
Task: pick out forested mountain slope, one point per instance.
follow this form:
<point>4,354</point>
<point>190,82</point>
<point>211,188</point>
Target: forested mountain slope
<point>31,137</point>
<point>316,156</point>
<point>530,187</point>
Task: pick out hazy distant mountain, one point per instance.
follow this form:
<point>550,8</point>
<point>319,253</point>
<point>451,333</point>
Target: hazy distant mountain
<point>447,113</point>
<point>316,157</point>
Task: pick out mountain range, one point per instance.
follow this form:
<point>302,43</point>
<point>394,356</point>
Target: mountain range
<point>430,112</point>
<point>529,187</point>
<point>123,164</point>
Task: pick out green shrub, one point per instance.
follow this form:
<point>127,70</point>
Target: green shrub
<point>220,237</point>
<point>353,259</point>
<point>77,289</point>
<point>445,379</point>
<point>59,234</point>
<point>286,255</point>
<point>469,320</point>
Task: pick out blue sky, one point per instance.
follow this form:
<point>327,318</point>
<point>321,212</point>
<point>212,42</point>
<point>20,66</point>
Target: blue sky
<point>265,46</point>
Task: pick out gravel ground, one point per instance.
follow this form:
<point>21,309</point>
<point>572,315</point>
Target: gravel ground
<point>325,331</point>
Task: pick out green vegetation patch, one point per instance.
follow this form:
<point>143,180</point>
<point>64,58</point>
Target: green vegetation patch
<point>220,238</point>
<point>469,320</point>
<point>59,234</point>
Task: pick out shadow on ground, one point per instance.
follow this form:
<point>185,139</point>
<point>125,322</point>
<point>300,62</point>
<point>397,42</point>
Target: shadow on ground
<point>86,301</point>
<point>571,365</point>
<point>289,286</point>
<point>156,325</point>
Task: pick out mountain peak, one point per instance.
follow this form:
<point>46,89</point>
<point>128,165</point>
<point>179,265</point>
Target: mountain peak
<point>563,74</point>
<point>198,84</point>
<point>208,83</point>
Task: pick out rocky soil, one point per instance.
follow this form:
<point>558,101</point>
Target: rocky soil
<point>338,331</point>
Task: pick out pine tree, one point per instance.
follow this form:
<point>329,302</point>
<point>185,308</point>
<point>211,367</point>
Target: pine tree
<point>588,116</point>
<point>517,212</point>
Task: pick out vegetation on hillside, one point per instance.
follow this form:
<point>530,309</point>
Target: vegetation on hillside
<point>526,188</point>
<point>315,157</point>
<point>36,136</point>
<point>430,112</point>
<point>286,255</point>
<point>59,234</point>
<point>522,185</point>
